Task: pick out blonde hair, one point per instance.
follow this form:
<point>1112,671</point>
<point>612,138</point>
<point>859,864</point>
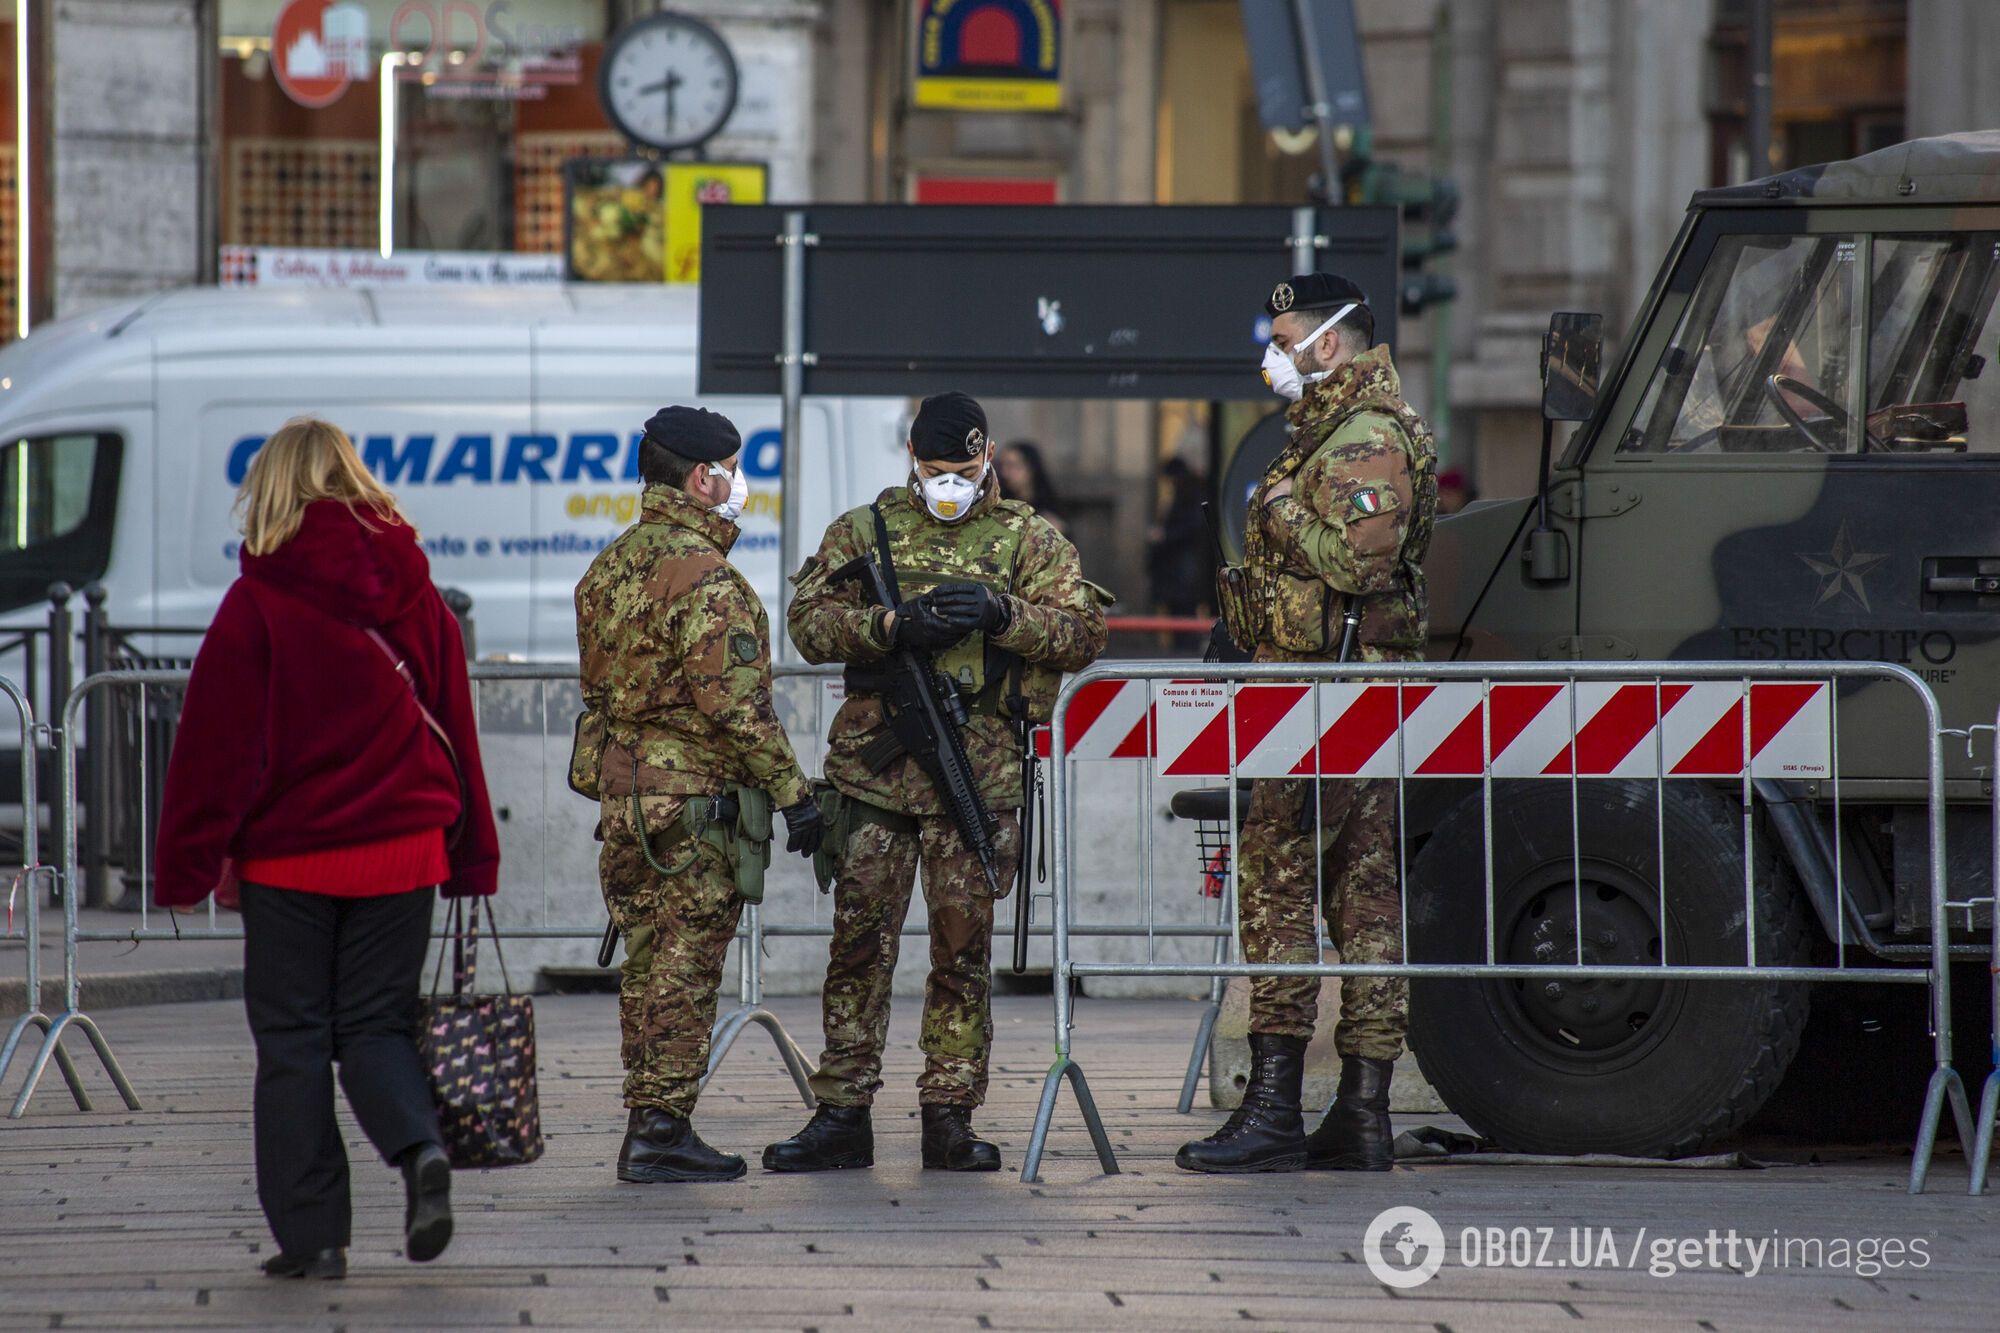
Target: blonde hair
<point>306,460</point>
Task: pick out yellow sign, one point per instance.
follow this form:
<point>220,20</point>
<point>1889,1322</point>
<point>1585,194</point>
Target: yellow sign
<point>691,186</point>
<point>990,94</point>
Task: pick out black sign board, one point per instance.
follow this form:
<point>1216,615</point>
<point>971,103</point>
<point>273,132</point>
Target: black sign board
<point>1072,301</point>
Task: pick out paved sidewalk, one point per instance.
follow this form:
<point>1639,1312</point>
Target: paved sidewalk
<point>150,1221</point>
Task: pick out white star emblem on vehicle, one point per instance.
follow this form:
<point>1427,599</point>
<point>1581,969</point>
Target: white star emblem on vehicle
<point>1842,571</point>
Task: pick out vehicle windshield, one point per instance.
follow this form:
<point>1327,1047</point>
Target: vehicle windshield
<point>1762,359</point>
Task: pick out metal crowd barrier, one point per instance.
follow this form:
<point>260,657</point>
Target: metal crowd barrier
<point>27,892</point>
<point>1989,1097</point>
<point>141,707</point>
<point>156,714</point>
<point>1200,721</point>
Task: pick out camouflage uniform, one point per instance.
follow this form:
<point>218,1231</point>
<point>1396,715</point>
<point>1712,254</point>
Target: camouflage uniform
<point>1357,523</point>
<point>676,659</point>
<point>1057,625</point>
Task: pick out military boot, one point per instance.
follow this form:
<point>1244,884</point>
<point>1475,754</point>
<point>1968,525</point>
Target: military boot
<point>1355,1135</point>
<point>660,1147</point>
<point>950,1144</point>
<point>837,1137</point>
<point>1267,1132</point>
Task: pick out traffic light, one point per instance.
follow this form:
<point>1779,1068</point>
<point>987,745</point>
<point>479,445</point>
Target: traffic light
<point>1428,204</point>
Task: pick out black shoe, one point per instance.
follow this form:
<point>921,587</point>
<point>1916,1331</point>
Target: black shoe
<point>661,1147</point>
<point>950,1144</point>
<point>426,1203</point>
<point>329,1264</point>
<point>1355,1135</point>
<point>1267,1132</point>
<point>836,1138</point>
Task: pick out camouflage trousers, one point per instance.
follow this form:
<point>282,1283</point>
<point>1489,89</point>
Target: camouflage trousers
<point>871,899</point>
<point>677,930</point>
<point>1363,909</point>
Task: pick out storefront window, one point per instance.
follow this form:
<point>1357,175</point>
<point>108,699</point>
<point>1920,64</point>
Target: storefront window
<point>489,98</point>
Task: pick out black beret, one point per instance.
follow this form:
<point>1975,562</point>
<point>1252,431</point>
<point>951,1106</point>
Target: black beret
<point>694,432</point>
<point>1313,291</point>
<point>950,428</point>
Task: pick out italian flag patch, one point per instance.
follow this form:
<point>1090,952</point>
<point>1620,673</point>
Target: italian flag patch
<point>1367,501</point>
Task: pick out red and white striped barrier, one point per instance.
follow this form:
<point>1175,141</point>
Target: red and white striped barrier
<point>1108,719</point>
<point>1639,730</point>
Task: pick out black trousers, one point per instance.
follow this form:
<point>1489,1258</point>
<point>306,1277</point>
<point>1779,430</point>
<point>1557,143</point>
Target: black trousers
<point>329,980</point>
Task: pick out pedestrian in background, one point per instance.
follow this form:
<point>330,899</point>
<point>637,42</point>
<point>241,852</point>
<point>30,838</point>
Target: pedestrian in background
<point>1024,477</point>
<point>1180,556</point>
<point>306,768</point>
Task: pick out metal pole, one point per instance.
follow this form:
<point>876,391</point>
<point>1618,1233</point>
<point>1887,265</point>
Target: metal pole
<point>31,856</point>
<point>96,833</point>
<point>1441,130</point>
<point>1320,110</point>
<point>792,383</point>
<point>1989,1097</point>
<point>1759,128</point>
<point>1304,220</point>
<point>61,645</point>
<point>1059,872</point>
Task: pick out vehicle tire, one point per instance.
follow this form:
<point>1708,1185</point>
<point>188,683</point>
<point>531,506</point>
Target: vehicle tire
<point>1641,1068</point>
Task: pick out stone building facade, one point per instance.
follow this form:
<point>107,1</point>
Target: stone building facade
<point>1575,130</point>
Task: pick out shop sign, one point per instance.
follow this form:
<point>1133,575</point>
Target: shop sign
<point>275,266</point>
<point>466,50</point>
<point>985,190</point>
<point>318,48</point>
<point>692,186</point>
<point>989,55</point>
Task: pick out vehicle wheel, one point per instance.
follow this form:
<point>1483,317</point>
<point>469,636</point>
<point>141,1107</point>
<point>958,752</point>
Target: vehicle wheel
<point>1644,1068</point>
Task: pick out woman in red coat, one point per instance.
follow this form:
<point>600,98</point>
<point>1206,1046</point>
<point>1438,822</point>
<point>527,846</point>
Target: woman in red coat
<point>305,768</point>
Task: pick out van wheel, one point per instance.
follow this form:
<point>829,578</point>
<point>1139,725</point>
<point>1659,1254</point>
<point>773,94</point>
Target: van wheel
<point>1642,1068</point>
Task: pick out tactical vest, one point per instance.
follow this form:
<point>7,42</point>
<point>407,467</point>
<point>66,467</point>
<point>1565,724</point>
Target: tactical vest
<point>980,669</point>
<point>1262,601</point>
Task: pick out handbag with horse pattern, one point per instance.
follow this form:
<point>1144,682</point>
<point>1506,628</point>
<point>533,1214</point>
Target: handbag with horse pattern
<point>480,1050</point>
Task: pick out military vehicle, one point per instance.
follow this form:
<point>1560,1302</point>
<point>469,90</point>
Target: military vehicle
<point>1795,456</point>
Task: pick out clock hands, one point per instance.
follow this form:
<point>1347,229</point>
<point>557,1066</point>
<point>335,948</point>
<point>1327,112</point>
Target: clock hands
<point>670,85</point>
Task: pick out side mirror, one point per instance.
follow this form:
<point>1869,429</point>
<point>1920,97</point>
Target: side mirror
<point>1572,356</point>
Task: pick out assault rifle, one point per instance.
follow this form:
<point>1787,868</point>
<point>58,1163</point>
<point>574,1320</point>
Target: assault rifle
<point>926,716</point>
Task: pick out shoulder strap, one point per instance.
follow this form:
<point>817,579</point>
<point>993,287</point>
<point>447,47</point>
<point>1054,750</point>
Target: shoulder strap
<point>888,561</point>
<point>402,669</point>
<point>431,723</point>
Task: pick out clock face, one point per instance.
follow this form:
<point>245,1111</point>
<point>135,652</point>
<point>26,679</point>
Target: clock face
<point>668,81</point>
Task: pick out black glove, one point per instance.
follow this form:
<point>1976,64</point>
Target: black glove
<point>804,827</point>
<point>918,625</point>
<point>970,606</point>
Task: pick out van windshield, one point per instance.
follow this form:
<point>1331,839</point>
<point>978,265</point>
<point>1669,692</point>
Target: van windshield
<point>1761,361</point>
<point>58,497</point>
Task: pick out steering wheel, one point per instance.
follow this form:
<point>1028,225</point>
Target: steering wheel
<point>1778,387</point>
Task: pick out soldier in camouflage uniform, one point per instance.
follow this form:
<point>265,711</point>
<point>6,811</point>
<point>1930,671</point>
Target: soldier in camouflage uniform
<point>678,724</point>
<point>1338,529</point>
<point>997,595</point>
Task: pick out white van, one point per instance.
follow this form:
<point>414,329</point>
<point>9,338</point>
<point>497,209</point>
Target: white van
<point>507,423</point>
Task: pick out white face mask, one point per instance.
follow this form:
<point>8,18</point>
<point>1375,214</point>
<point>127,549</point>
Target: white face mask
<point>1281,369</point>
<point>739,492</point>
<point>948,496</point>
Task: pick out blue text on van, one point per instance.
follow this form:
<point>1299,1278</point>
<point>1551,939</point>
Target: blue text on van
<point>485,459</point>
